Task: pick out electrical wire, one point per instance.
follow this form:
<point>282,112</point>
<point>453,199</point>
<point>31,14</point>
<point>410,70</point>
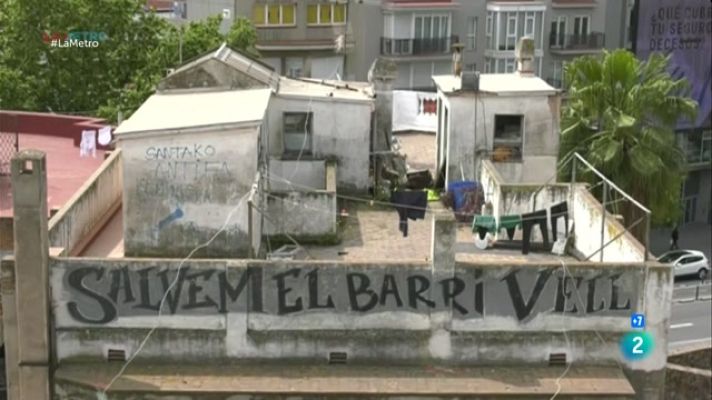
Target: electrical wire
<point>168,292</point>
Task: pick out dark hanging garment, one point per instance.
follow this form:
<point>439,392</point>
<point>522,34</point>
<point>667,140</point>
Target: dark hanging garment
<point>409,205</point>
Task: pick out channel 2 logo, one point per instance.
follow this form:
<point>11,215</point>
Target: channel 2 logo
<point>637,345</point>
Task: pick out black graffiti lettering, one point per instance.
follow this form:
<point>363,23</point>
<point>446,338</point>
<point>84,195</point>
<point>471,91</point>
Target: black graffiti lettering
<point>282,306</point>
<point>418,284</point>
<point>614,295</point>
<point>227,291</point>
<point>451,288</point>
<point>521,307</point>
<point>144,290</point>
<point>363,288</point>
<point>194,289</point>
<point>313,283</point>
<point>591,298</point>
<point>564,295</point>
<point>120,280</point>
<point>390,288</point>
<point>479,294</point>
<point>172,288</point>
<point>75,280</point>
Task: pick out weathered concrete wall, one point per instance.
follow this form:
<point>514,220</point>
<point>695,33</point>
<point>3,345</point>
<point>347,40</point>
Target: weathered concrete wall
<point>341,132</point>
<point>469,142</point>
<point>375,312</point>
<point>180,188</point>
<point>303,175</point>
<point>305,214</point>
<point>587,216</point>
<point>89,208</point>
<point>689,373</point>
<point>508,198</point>
<point>299,210</point>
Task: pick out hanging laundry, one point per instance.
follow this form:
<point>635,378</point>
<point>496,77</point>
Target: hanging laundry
<point>104,137</point>
<point>409,205</point>
<point>88,144</point>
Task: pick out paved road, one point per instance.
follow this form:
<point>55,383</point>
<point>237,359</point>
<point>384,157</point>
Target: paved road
<point>691,319</point>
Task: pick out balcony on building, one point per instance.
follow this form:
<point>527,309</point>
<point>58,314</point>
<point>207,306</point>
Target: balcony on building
<point>577,43</point>
<point>322,38</point>
<point>417,47</point>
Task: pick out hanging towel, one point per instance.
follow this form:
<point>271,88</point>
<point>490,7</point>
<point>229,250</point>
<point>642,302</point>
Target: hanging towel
<point>104,136</point>
<point>87,146</point>
<point>409,205</point>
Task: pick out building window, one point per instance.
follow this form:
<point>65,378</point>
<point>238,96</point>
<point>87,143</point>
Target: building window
<point>581,26</point>
<point>509,65</point>
<point>326,14</point>
<point>294,67</point>
<point>507,138</point>
<point>472,33</point>
<point>431,26</point>
<point>529,21</point>
<point>273,14</point>
<point>297,133</point>
<point>488,31</point>
<point>558,30</point>
<point>511,38</point>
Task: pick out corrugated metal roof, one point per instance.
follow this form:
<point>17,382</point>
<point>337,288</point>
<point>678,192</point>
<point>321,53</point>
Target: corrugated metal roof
<point>164,111</point>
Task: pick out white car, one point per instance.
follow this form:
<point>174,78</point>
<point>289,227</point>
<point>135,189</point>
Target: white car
<point>687,262</point>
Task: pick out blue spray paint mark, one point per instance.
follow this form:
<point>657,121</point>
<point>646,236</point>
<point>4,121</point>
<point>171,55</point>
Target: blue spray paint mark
<point>175,215</point>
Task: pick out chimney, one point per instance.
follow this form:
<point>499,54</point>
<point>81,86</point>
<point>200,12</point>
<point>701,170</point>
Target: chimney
<point>457,59</point>
<point>524,54</point>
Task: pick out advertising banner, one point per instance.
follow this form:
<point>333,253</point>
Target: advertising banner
<point>682,28</point>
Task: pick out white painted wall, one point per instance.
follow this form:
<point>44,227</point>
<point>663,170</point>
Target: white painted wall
<point>540,137</point>
<point>587,213</point>
<point>341,130</point>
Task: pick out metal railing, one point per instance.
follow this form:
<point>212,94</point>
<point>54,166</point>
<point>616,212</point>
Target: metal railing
<point>417,47</point>
<point>574,159</point>
<point>576,41</point>
<point>608,184</point>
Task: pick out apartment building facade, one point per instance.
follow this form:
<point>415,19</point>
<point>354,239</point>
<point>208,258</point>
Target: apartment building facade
<point>296,38</point>
<point>330,39</point>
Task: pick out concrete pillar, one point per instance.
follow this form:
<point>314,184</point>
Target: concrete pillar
<point>29,196</point>
<point>381,76</point>
<point>9,322</point>
<point>442,254</point>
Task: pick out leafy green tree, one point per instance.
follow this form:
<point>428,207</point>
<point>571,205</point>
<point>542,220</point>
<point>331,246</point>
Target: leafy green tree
<point>243,36</point>
<point>118,75</point>
<point>620,116</point>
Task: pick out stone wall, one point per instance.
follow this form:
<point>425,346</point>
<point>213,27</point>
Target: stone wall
<point>689,373</point>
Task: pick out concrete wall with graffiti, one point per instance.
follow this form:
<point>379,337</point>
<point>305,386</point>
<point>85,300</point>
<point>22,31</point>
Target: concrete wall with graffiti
<point>180,188</point>
<point>385,312</point>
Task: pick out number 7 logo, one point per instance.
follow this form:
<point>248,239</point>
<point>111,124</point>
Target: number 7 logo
<point>637,321</point>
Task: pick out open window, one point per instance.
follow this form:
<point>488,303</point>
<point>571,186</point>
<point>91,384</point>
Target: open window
<point>508,134</point>
<point>297,133</point>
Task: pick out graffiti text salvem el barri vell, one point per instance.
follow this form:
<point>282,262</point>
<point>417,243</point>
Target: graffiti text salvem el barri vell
<point>100,295</point>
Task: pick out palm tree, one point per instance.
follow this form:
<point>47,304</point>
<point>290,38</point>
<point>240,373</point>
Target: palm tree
<point>620,116</point>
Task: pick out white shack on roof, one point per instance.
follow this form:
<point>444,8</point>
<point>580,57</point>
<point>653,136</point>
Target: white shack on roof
<point>509,119</point>
<point>188,160</point>
<point>193,150</point>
